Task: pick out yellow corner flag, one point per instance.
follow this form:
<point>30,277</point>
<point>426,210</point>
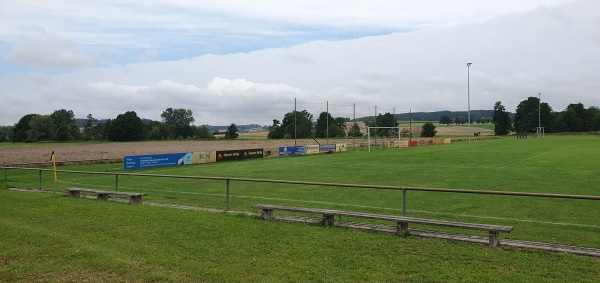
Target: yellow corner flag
<point>53,160</point>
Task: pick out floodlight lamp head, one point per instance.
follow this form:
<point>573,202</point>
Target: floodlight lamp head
<point>469,64</point>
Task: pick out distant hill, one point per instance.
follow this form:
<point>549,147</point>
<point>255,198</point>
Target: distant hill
<point>437,115</point>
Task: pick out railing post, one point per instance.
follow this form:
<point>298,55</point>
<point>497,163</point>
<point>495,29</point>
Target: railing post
<point>227,194</point>
<point>40,174</point>
<point>404,201</point>
<point>116,182</point>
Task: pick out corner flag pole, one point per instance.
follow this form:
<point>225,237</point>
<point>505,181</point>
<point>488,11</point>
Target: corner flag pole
<point>53,160</point>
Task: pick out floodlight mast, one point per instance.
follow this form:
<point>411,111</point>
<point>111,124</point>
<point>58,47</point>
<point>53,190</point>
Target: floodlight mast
<point>469,99</point>
<point>539,130</point>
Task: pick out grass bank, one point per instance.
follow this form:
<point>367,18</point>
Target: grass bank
<point>53,238</point>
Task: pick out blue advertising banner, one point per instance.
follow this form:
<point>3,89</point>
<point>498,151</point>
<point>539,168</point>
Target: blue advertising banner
<point>292,150</point>
<point>327,148</point>
<point>157,160</point>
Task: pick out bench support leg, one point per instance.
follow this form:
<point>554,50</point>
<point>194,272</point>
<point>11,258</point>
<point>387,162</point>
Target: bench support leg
<point>101,196</point>
<point>328,219</point>
<point>402,228</point>
<point>74,194</point>
<point>494,238</point>
<point>267,214</point>
<point>135,200</point>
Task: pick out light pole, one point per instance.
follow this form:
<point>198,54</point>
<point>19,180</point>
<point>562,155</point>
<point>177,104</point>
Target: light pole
<point>469,99</point>
<point>539,114</point>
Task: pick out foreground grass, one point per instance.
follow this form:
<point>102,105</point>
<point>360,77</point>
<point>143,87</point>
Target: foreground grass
<point>53,238</point>
<point>561,165</point>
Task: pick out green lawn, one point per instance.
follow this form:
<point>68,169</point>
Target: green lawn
<point>554,164</point>
<point>53,238</point>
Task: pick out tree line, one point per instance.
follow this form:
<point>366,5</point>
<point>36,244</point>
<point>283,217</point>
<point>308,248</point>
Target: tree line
<point>298,124</point>
<point>531,113</point>
<point>61,125</point>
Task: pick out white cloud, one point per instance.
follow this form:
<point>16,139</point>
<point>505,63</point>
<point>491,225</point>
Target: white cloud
<point>36,47</point>
<point>554,50</point>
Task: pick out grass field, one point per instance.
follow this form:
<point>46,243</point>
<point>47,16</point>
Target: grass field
<point>174,245</point>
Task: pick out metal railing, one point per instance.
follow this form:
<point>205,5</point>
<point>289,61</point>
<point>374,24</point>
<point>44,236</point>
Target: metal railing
<point>230,179</point>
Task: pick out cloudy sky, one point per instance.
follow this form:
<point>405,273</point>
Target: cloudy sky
<point>236,61</point>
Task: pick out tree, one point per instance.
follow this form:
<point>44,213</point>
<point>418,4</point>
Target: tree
<point>593,118</point>
<point>275,131</point>
<point>428,130</point>
<point>158,131</point>
<point>446,120</point>
<point>90,130</point>
<point>179,122</point>
<point>573,118</point>
<point>126,127</point>
<point>6,133</point>
<point>231,132</point>
<point>204,133</point>
<point>21,128</point>
<point>65,126</point>
<point>385,120</point>
<point>41,128</point>
<point>327,126</point>
<point>502,125</point>
<point>296,124</point>
<point>355,131</point>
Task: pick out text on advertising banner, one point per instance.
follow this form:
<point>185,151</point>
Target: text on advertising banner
<point>157,160</point>
<point>292,150</point>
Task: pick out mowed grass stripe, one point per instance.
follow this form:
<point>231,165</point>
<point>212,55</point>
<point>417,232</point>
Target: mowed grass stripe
<point>475,166</point>
<point>75,240</point>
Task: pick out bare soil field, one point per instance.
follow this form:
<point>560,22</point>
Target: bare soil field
<point>94,151</point>
<point>36,153</point>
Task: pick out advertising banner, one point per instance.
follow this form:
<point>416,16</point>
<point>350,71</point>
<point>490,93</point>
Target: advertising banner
<point>271,152</point>
<point>205,157</point>
<point>239,154</point>
<point>157,160</point>
<point>312,149</point>
<point>228,155</point>
<point>324,148</point>
<point>252,153</point>
<point>340,147</point>
<point>292,150</point>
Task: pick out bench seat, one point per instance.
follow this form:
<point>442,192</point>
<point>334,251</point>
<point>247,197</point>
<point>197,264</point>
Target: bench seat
<point>402,222</point>
<point>134,198</point>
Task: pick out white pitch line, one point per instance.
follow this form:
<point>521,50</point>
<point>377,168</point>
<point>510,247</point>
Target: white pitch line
<point>545,153</point>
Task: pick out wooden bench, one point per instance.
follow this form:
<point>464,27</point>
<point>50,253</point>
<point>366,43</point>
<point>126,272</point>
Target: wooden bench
<point>134,198</point>
<point>402,222</point>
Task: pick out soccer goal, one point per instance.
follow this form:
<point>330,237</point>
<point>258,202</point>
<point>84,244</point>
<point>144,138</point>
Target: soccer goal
<point>369,134</point>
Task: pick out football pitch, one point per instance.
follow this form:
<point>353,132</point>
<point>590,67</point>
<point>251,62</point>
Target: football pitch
<point>552,165</point>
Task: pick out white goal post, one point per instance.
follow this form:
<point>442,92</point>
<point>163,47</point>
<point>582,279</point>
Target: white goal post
<point>369,134</point>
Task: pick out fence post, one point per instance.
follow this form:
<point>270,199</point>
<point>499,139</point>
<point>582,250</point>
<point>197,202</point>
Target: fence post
<point>40,174</point>
<point>227,194</point>
<point>404,201</point>
<point>116,182</point>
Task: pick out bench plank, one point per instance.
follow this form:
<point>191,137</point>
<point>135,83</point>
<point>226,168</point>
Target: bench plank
<point>134,198</point>
<point>402,222</point>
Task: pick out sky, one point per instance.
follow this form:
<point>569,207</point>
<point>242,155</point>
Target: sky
<point>236,61</point>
